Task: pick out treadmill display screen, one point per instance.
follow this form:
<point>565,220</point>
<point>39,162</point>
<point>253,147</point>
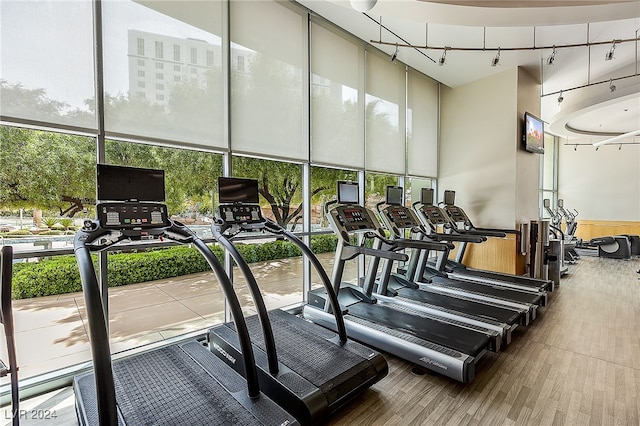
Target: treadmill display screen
<point>237,190</point>
<point>348,192</point>
<point>449,197</point>
<point>394,195</point>
<point>118,183</point>
<point>426,196</point>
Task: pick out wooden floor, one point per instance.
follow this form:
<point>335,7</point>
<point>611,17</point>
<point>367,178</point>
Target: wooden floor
<point>577,364</point>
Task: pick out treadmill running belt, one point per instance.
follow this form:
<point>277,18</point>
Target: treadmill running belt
<point>496,291</point>
<point>167,387</point>
<point>457,338</point>
<point>477,309</point>
<point>328,366</point>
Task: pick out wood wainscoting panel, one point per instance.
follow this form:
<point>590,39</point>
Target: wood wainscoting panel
<point>495,254</point>
<point>588,229</point>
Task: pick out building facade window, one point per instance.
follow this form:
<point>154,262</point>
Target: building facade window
<point>159,50</point>
<point>194,55</point>
<point>240,63</point>
<point>140,46</point>
<point>210,58</point>
<point>176,52</point>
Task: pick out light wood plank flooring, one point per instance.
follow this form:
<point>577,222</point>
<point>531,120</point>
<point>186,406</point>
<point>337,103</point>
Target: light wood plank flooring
<point>577,364</point>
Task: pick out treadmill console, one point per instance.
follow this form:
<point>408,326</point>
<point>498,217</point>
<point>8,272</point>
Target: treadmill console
<point>353,218</point>
<point>241,214</point>
<point>434,215</point>
<point>457,214</point>
<point>132,215</point>
<point>400,217</point>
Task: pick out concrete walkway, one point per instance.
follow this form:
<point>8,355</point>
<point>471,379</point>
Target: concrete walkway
<point>51,332</point>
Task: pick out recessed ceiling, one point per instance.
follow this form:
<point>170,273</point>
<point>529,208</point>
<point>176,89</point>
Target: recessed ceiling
<point>526,3</point>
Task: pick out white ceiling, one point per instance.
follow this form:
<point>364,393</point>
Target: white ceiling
<point>522,25</point>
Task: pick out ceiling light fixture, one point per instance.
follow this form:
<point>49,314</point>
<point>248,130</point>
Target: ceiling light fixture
<point>394,55</point>
<point>612,87</point>
<point>443,58</point>
<point>496,60</point>
<point>560,98</point>
<point>552,57</point>
<point>609,56</point>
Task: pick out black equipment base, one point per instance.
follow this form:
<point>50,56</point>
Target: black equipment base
<point>178,384</point>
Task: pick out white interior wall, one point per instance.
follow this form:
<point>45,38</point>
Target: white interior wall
<point>603,184</point>
<point>478,148</point>
<point>528,164</point>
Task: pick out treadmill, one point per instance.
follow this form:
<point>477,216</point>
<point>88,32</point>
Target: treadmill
<point>428,277</point>
<point>395,288</point>
<point>181,383</point>
<point>308,369</point>
<point>460,222</point>
<point>426,341</point>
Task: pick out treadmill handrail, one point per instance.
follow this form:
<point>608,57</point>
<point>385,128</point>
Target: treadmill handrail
<point>326,281</point>
<point>352,251</point>
<point>258,300</point>
<point>6,318</point>
<point>460,238</point>
<point>99,341</point>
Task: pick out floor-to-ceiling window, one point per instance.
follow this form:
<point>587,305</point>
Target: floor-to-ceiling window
<point>286,97</point>
<point>549,175</point>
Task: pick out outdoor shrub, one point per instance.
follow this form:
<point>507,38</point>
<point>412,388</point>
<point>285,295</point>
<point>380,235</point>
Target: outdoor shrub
<point>51,232</point>
<point>60,274</point>
<point>18,232</point>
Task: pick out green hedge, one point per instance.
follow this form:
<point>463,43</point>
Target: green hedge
<point>60,274</point>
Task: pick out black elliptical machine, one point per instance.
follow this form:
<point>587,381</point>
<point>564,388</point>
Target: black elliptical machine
<point>181,383</point>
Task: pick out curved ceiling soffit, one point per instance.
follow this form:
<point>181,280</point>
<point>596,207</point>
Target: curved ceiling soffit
<point>496,14</point>
<point>559,123</point>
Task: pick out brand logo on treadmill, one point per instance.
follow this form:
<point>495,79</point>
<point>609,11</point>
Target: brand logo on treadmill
<point>224,353</point>
<point>429,361</point>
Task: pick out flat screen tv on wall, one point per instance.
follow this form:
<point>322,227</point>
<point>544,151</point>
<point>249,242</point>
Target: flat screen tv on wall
<point>533,134</point>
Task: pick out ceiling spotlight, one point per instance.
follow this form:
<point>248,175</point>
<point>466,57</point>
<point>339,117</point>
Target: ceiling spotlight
<point>552,57</point>
<point>496,60</point>
<point>443,58</point>
<point>575,148</point>
<point>612,86</point>
<point>560,98</point>
<point>609,55</point>
<point>394,55</point>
